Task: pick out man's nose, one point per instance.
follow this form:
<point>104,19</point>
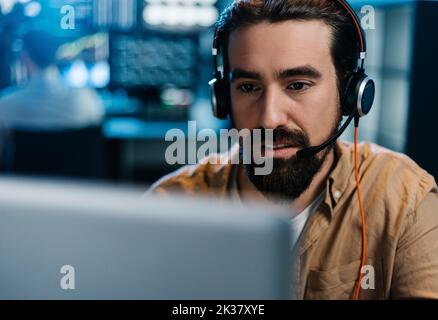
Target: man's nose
<point>272,110</point>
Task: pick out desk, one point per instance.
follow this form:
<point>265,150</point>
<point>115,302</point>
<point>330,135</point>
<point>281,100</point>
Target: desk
<point>134,129</point>
<point>137,147</point>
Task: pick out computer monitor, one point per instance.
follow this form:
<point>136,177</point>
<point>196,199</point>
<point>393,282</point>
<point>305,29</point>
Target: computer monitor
<point>153,60</point>
<point>60,241</point>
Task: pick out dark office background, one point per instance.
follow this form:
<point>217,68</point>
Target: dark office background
<point>150,62</point>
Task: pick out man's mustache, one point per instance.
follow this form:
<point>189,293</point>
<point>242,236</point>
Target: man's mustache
<point>284,137</point>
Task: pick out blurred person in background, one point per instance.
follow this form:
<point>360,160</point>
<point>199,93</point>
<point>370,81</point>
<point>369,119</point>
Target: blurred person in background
<point>46,102</point>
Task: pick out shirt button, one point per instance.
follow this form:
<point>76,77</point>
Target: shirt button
<point>337,194</point>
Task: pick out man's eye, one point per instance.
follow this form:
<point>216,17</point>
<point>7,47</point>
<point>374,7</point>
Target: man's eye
<point>298,86</point>
<point>247,88</point>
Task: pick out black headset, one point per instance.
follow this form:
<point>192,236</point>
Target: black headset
<point>357,99</point>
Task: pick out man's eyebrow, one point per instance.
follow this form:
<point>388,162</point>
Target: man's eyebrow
<point>245,74</point>
<point>306,71</point>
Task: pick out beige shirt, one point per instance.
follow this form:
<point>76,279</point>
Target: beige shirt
<point>401,211</point>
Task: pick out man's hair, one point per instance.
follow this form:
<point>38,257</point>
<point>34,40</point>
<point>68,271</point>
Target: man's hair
<point>41,47</point>
<point>344,44</point>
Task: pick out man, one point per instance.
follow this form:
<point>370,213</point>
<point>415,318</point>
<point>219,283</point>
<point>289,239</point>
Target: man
<point>289,61</point>
<point>46,102</point>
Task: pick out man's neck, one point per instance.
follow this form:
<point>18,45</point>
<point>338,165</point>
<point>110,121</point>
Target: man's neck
<point>247,190</point>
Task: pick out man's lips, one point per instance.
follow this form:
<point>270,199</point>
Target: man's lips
<point>276,146</point>
<point>278,150</point>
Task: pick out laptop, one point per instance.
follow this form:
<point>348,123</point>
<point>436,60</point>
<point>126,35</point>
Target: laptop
<point>77,241</point>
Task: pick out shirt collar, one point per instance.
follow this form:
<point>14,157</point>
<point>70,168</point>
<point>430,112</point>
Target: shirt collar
<point>340,176</point>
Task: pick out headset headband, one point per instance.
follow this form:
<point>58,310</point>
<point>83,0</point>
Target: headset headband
<point>347,7</point>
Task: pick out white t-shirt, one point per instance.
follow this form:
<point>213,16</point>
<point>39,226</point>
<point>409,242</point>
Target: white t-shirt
<point>297,223</point>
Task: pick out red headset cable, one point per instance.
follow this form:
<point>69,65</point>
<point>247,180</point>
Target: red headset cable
<point>356,166</point>
<point>356,22</point>
<point>362,211</point>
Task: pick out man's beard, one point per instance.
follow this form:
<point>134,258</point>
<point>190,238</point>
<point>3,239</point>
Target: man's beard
<point>292,176</point>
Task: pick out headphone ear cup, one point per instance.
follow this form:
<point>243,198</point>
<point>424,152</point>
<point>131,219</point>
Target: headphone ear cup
<point>366,95</point>
<point>220,98</point>
<point>359,95</point>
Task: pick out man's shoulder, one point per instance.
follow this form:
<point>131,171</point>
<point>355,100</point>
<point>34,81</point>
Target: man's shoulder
<point>395,162</point>
<point>210,176</point>
<point>393,171</point>
<point>374,156</point>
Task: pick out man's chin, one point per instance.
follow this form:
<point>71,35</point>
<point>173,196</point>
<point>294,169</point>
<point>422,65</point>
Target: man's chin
<point>289,178</point>
<point>278,199</point>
